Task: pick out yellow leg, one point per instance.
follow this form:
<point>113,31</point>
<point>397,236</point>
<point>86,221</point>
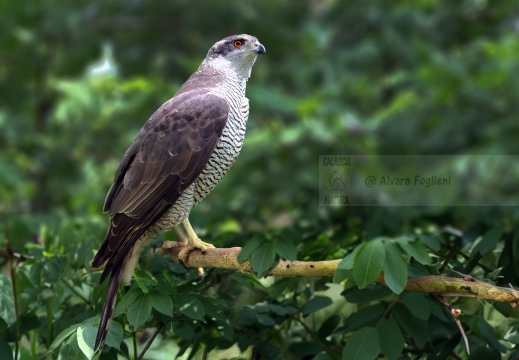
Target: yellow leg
<point>180,235</point>
<point>193,242</point>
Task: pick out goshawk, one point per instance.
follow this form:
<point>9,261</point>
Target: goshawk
<point>176,160</point>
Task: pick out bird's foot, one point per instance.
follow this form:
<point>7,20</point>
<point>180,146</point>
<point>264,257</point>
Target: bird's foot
<point>193,244</point>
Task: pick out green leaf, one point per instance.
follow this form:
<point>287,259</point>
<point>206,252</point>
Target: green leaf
<point>488,333</point>
<point>249,247</point>
<point>391,339</point>
<point>265,320</point>
<point>71,351</point>
<point>162,303</point>
<point>115,335</point>
<point>128,299</point>
<point>322,356</point>
<point>139,311</point>
<point>349,260</point>
<point>246,315</point>
<point>6,301</point>
<point>368,316</point>
<point>62,336</point>
<point>368,263</point>
<point>489,241</point>
<point>213,307</point>
<point>369,293</point>
<point>341,274</point>
<point>86,337</point>
<point>395,269</point>
<point>315,304</point>
<point>276,309</point>
<point>302,350</point>
<point>286,250</point>
<point>432,242</point>
<point>190,306</point>
<point>140,281</point>
<point>6,352</point>
<point>328,326</point>
<point>415,327</point>
<point>417,304</point>
<point>281,285</point>
<point>417,250</point>
<point>362,345</point>
<point>263,257</point>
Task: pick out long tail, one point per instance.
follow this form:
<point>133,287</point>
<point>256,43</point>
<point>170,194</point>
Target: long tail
<point>108,307</point>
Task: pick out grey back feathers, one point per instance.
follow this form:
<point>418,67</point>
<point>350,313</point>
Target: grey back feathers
<point>178,157</point>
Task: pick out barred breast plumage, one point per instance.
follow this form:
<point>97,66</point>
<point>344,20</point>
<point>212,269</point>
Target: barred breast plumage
<point>231,141</point>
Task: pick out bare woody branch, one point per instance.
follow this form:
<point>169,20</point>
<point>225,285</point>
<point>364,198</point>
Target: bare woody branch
<point>227,258</point>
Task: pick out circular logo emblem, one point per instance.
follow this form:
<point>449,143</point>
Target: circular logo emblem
<point>336,180</point>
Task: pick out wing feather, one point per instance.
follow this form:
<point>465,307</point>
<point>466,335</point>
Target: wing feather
<point>167,156</point>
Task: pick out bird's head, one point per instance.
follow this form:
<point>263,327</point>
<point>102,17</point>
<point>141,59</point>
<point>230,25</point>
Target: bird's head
<point>237,51</point>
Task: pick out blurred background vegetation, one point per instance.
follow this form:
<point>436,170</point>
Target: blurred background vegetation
<point>79,78</point>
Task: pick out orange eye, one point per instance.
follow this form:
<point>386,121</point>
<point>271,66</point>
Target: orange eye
<point>238,43</point>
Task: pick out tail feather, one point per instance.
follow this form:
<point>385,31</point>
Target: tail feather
<point>108,307</point>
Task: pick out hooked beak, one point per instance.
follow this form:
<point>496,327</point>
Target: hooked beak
<point>260,49</point>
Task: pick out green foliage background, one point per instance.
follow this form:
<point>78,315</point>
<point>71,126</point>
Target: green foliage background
<point>339,77</point>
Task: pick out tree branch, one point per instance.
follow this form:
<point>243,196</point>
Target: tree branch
<point>227,258</point>
<point>4,253</point>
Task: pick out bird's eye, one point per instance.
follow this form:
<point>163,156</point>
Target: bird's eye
<point>238,44</point>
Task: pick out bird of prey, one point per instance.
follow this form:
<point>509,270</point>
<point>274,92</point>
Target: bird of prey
<point>176,160</point>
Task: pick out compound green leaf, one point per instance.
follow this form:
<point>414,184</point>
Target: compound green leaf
<point>390,337</point>
<point>128,299</point>
<point>86,337</point>
<point>395,269</point>
<point>190,306</point>
<point>417,304</point>
<point>489,241</point>
<point>363,345</point>
<point>249,247</point>
<point>139,311</point>
<point>115,335</point>
<point>262,259</point>
<point>349,260</point>
<point>417,250</point>
<point>369,263</point>
<point>71,351</point>
<point>6,301</point>
<point>286,250</point>
<point>315,304</point>
<point>161,302</point>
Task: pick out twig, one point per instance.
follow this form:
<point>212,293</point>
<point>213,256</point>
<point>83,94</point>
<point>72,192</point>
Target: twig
<point>150,341</point>
<point>134,337</point>
<point>4,253</point>
<point>77,293</point>
<point>316,337</point>
<point>448,258</point>
<point>227,258</point>
<point>456,315</point>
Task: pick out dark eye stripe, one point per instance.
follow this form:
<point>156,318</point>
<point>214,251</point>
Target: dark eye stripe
<point>226,47</point>
<point>233,40</point>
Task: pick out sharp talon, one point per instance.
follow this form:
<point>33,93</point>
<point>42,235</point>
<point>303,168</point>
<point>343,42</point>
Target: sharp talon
<point>193,242</point>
